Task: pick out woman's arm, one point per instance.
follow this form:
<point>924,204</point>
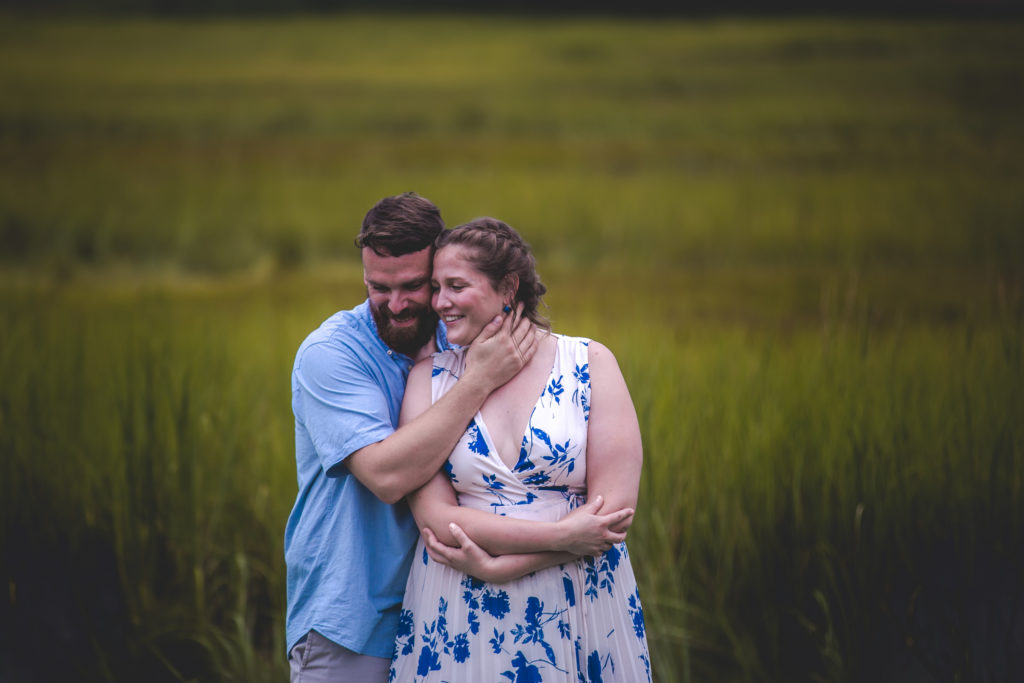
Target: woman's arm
<point>614,448</point>
<point>469,558</point>
<point>584,531</point>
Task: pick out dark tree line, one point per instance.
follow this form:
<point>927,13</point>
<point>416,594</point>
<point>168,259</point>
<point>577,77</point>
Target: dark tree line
<point>959,8</point>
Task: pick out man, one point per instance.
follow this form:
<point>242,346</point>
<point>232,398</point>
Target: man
<point>350,536</point>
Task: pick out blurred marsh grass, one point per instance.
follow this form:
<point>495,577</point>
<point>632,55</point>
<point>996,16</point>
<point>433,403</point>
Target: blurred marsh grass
<point>835,483</point>
<point>131,434</point>
<point>801,239</point>
<point>808,493</point>
<point>219,145</point>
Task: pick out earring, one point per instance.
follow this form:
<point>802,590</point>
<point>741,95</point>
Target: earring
<point>506,309</point>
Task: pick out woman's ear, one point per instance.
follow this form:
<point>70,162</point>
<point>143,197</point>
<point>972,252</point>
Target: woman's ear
<point>509,286</point>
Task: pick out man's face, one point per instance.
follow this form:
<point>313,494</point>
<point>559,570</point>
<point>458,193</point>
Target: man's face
<point>399,292</point>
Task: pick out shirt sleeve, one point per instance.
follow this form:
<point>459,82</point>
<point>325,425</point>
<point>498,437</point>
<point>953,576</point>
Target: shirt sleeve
<point>339,402</point>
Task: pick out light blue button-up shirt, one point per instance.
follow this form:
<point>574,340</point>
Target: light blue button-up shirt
<point>347,553</point>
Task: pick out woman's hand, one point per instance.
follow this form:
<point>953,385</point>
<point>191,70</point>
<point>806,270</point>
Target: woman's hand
<point>466,557</point>
<point>585,531</point>
<point>469,558</point>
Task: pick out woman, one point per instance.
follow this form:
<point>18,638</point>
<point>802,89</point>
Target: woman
<point>553,598</point>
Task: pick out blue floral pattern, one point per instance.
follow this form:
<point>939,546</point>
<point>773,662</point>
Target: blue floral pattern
<point>581,622</point>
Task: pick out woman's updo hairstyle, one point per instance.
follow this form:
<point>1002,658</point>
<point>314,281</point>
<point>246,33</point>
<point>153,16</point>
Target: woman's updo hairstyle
<point>497,250</point>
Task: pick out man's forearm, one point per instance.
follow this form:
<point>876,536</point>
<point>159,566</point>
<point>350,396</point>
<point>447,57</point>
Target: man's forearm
<point>409,457</point>
<point>428,433</point>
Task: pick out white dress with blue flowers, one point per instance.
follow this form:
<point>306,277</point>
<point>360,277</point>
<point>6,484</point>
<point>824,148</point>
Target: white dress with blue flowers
<point>576,622</point>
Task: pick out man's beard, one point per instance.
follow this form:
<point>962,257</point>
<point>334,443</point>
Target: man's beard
<point>406,340</point>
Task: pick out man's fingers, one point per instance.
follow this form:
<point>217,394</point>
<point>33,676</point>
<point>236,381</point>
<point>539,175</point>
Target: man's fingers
<point>490,329</point>
<point>498,323</point>
<point>521,328</point>
<point>528,346</point>
<point>513,319</point>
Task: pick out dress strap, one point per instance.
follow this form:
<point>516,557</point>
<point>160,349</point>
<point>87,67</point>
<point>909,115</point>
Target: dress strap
<point>448,366</point>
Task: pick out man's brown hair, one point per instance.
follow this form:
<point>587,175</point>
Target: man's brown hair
<point>399,225</point>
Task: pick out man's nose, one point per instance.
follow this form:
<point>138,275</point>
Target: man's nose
<point>397,302</point>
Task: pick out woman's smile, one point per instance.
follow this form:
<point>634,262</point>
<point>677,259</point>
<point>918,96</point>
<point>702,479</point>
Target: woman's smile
<point>463,296</point>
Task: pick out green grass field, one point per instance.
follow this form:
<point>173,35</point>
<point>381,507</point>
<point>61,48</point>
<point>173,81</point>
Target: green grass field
<point>801,238</point>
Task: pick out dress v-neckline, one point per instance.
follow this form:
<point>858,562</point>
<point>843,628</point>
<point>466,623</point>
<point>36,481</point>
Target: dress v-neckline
<point>486,433</point>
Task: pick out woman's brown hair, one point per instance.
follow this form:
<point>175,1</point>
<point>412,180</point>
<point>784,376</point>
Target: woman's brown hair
<point>497,251</point>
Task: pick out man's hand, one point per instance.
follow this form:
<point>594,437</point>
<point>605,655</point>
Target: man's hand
<point>503,347</point>
<point>587,532</point>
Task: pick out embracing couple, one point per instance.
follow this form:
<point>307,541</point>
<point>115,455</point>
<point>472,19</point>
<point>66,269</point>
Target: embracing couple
<point>466,476</point>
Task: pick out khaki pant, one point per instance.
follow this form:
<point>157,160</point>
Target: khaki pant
<point>314,659</point>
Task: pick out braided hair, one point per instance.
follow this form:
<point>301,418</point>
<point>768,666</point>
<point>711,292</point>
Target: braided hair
<point>497,250</point>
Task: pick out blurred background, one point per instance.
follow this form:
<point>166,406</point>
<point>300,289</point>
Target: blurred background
<point>799,229</point>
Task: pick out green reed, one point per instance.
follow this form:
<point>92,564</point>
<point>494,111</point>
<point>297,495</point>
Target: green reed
<point>800,487</point>
<point>801,239</point>
<point>803,499</point>
<point>149,437</point>
<point>221,146</point>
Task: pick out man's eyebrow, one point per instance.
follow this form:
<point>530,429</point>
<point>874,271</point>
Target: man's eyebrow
<point>416,282</point>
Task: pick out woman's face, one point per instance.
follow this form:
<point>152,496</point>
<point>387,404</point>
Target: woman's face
<point>463,296</point>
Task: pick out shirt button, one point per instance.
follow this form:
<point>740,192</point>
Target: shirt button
<point>389,352</point>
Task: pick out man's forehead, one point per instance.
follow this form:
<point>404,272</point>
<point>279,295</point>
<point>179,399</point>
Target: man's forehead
<point>404,268</point>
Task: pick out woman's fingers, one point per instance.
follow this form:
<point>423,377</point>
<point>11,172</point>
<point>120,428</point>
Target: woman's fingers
<point>432,542</point>
<point>620,516</point>
<point>460,536</point>
<point>432,545</point>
